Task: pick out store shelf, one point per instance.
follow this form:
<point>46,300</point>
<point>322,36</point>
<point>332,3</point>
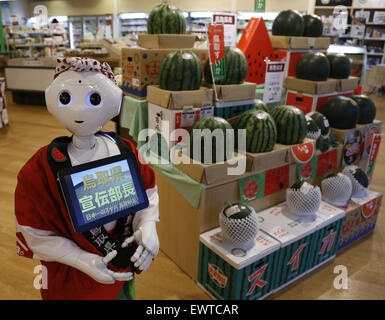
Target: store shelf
<point>374,39</point>
<point>375,54</point>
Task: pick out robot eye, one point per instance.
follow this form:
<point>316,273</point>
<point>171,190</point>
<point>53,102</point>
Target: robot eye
<point>94,99</point>
<point>65,98</point>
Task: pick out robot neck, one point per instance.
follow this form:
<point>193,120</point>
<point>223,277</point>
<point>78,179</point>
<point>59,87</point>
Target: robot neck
<point>84,143</point>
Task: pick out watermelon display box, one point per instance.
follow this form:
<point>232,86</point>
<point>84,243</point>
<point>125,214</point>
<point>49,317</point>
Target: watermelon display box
<point>230,273</point>
<point>311,102</point>
<point>300,239</point>
<point>208,173</point>
<point>292,57</point>
<point>231,110</point>
<point>165,121</point>
<point>166,41</point>
<point>311,87</point>
<point>189,208</point>
<point>234,92</point>
<point>287,42</point>
<point>140,68</point>
<point>350,83</point>
<point>361,218</point>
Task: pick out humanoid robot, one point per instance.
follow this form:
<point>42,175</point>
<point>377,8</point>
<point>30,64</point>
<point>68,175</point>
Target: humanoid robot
<point>99,263</point>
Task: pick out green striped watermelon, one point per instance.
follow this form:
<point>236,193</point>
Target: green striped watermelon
<point>211,124</point>
<point>166,19</point>
<point>260,105</point>
<point>180,70</point>
<point>291,124</point>
<point>261,131</point>
<point>236,67</point>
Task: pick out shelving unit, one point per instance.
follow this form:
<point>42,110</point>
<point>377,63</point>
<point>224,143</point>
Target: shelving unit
<point>375,45</point>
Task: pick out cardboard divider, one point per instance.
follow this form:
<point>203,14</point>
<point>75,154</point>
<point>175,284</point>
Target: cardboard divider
<point>287,42</point>
<point>179,99</point>
<point>166,41</point>
<point>234,92</point>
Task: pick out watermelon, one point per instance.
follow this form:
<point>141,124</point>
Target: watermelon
<point>313,131</point>
<point>291,124</point>
<point>340,66</point>
<point>342,112</point>
<point>313,66</point>
<point>180,70</point>
<point>288,23</point>
<point>211,124</point>
<point>236,211</point>
<point>236,67</point>
<point>261,131</point>
<point>367,109</point>
<point>166,19</point>
<point>260,105</point>
<point>322,123</point>
<point>313,25</point>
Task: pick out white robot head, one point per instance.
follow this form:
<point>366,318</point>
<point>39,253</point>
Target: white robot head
<point>83,100</point>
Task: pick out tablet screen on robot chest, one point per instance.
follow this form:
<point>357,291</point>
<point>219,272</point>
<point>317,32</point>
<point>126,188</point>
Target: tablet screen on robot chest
<point>102,191</point>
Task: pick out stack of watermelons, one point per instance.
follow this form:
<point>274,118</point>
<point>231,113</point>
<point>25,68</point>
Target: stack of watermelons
<point>292,23</point>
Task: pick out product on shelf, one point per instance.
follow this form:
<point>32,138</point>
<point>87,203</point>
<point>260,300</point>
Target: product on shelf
<point>165,18</point>
<point>359,179</point>
<point>288,23</point>
<point>291,124</point>
<point>219,145</point>
<point>313,131</point>
<point>322,122</point>
<point>239,224</point>
<point>341,112</point>
<point>367,109</point>
<point>325,139</point>
<point>313,25</point>
<point>261,131</point>
<point>340,66</point>
<point>260,105</point>
<point>337,189</point>
<point>236,67</point>
<point>303,199</point>
<point>180,70</point>
<point>313,66</point>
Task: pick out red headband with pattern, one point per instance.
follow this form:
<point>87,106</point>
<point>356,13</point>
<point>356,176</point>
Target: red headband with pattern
<point>83,64</point>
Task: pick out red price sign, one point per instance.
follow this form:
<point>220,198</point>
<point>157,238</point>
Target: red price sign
<point>217,51</point>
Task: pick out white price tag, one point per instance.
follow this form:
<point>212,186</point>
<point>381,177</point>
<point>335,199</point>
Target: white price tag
<point>305,188</point>
<point>187,119</point>
<point>275,74</point>
<point>231,211</point>
<point>135,82</point>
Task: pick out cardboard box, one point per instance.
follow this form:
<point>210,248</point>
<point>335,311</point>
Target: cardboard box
<point>292,57</point>
<point>166,41</point>
<point>312,87</point>
<point>230,273</point>
<point>350,83</point>
<point>279,156</point>
<point>181,223</point>
<point>231,110</point>
<point>179,99</point>
<point>285,42</point>
<point>165,121</point>
<point>234,92</point>
<point>361,218</point>
<point>140,68</point>
<point>207,173</point>
<point>312,102</point>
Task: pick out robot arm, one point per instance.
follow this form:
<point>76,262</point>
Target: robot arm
<point>144,227</point>
<point>47,246</point>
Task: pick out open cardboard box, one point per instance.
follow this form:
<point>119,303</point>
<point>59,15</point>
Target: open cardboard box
<point>179,99</point>
<point>312,87</point>
<point>234,92</point>
<point>286,42</point>
<point>208,173</point>
<point>166,41</point>
<point>350,83</point>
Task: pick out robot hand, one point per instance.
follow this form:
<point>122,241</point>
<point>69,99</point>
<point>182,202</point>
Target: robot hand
<point>96,267</point>
<point>148,245</point>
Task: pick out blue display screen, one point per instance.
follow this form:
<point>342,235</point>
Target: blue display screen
<point>102,191</point>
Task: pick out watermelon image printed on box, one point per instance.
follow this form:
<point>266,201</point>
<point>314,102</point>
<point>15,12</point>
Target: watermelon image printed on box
<point>230,273</point>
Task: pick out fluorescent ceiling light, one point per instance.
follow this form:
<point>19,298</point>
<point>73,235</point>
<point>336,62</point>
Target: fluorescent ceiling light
<point>201,14</point>
<point>133,15</point>
<point>264,15</point>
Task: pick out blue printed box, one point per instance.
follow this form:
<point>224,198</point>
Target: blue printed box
<point>230,273</point>
<point>231,110</point>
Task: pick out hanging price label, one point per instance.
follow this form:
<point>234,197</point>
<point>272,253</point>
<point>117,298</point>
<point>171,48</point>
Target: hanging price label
<point>217,51</point>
